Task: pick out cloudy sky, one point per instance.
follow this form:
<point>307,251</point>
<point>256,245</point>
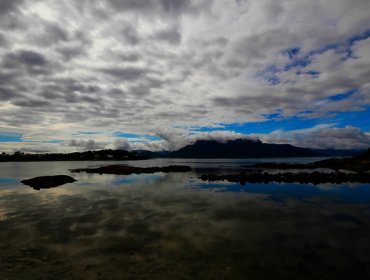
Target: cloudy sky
<point>158,74</point>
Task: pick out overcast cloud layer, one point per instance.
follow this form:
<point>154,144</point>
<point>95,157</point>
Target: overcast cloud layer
<point>85,74</point>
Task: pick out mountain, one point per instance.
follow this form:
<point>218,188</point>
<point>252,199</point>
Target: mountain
<point>364,156</point>
<point>240,148</point>
<point>150,154</point>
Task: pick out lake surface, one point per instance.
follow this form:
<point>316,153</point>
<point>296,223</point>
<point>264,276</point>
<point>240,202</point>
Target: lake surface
<point>175,226</point>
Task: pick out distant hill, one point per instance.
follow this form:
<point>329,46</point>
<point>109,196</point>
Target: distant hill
<point>240,148</point>
<point>88,155</point>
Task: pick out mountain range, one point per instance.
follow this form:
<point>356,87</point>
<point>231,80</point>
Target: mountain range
<point>242,148</point>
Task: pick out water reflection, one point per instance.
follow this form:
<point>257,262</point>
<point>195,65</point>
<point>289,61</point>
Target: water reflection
<point>8,181</point>
<point>173,226</point>
<point>137,179</point>
<point>348,193</point>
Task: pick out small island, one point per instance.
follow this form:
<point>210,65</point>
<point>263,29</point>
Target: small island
<point>122,169</point>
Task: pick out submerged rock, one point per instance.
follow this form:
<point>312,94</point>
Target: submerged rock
<point>46,182</point>
<point>122,169</point>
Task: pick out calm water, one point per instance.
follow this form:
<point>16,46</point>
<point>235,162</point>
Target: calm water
<point>174,226</point>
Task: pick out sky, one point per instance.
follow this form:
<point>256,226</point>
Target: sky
<point>158,75</point>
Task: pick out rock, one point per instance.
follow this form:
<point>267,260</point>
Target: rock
<point>46,182</point>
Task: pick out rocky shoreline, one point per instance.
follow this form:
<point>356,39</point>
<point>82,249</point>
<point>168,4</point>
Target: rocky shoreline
<point>359,167</point>
<point>360,163</point>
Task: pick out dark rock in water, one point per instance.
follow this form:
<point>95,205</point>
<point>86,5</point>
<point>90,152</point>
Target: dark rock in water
<point>122,169</point>
<point>46,182</point>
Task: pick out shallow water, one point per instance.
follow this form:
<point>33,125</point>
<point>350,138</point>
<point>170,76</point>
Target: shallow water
<point>175,226</point>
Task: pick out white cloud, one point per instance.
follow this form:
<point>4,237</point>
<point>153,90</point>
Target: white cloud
<point>148,66</point>
<point>121,144</point>
<point>322,137</point>
<point>85,145</point>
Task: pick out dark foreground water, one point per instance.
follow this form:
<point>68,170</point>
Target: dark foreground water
<point>174,226</point>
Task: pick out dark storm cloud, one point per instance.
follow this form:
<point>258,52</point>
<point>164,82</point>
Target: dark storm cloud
<point>21,117</point>
<point>166,6</point>
<point>3,41</point>
<point>145,86</point>
<point>7,6</point>
<point>71,52</point>
<point>175,6</point>
<point>34,62</point>
<point>32,103</point>
<point>52,34</point>
<point>131,35</point>
<point>125,73</point>
<point>129,56</point>
<point>139,90</point>
<point>84,144</point>
<point>7,93</point>
<point>6,78</point>
<point>171,35</point>
<point>130,4</point>
<point>29,57</point>
<point>66,85</point>
<point>70,85</point>
<point>9,15</point>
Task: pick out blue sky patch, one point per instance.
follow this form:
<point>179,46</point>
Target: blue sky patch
<point>359,37</point>
<point>275,122</point>
<point>273,80</point>
<point>313,73</point>
<point>358,119</point>
<point>297,63</point>
<point>343,95</point>
<point>292,53</point>
<point>54,141</point>
<point>88,132</point>
<point>299,60</point>
<point>133,135</point>
<point>10,137</point>
<point>265,127</point>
